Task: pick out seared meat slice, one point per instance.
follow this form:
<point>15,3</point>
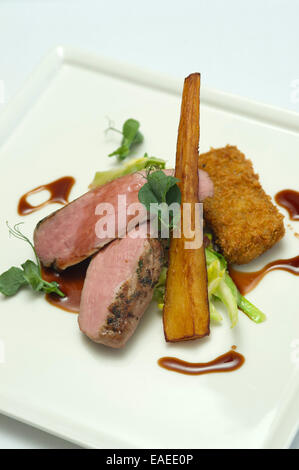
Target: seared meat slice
<point>118,288</point>
<point>68,236</point>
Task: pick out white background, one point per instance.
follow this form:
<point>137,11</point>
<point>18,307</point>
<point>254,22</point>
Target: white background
<point>247,47</point>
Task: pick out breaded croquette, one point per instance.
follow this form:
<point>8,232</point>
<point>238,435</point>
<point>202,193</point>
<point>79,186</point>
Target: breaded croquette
<point>242,217</point>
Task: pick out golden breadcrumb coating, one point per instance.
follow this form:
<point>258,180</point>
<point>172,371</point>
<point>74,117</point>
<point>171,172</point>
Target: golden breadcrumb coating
<point>244,220</point>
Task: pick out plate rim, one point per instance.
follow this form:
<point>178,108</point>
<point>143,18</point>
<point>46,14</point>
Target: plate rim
<point>243,107</point>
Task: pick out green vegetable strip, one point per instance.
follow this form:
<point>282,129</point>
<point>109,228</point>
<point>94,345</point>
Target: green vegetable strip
<point>251,311</point>
<point>214,314</point>
<point>138,164</point>
<point>225,294</point>
<point>243,304</point>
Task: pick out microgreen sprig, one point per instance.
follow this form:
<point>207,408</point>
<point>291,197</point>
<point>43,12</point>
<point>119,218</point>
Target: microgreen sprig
<point>131,137</point>
<point>28,275</point>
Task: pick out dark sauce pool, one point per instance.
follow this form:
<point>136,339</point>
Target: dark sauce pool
<point>59,192</point>
<point>289,199</point>
<point>71,282</point>
<point>246,281</point>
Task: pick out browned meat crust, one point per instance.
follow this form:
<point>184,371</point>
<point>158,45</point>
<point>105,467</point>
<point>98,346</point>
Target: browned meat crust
<point>133,297</point>
<point>244,220</point>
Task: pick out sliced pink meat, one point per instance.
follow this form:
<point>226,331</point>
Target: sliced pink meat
<point>118,288</point>
<point>205,187</point>
<point>69,236</point>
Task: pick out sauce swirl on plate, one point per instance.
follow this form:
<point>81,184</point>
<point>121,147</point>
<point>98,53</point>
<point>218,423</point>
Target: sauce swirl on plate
<point>289,199</point>
<point>228,362</point>
<point>246,281</point>
<point>59,192</point>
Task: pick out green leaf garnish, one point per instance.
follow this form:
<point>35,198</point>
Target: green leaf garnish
<point>160,188</point>
<point>146,196</point>
<point>32,275</point>
<point>131,137</point>
<point>11,281</point>
<point>29,274</point>
<point>160,184</point>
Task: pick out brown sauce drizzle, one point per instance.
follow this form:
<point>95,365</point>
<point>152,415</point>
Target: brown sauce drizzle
<point>228,362</point>
<point>289,199</point>
<point>70,282</point>
<point>59,192</point>
<point>246,281</point>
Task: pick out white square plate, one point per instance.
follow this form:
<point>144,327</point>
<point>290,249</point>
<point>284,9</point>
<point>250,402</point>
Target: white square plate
<point>56,379</point>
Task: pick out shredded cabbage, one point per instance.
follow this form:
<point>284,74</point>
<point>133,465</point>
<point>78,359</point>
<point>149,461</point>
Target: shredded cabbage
<point>220,288</point>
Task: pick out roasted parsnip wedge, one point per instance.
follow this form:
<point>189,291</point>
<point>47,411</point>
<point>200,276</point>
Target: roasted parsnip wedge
<point>186,310</point>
